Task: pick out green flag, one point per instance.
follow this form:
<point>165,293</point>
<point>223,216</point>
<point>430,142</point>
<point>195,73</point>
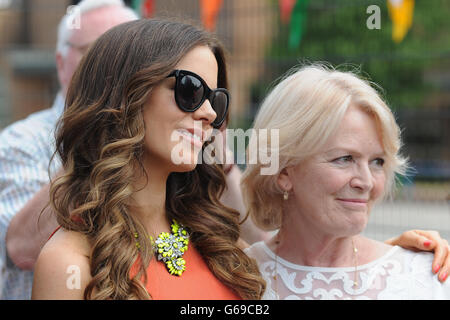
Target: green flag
<point>297,24</point>
<point>136,5</point>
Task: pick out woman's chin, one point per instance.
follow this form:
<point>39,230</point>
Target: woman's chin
<point>185,168</point>
<point>187,164</point>
<point>358,227</point>
<point>185,159</point>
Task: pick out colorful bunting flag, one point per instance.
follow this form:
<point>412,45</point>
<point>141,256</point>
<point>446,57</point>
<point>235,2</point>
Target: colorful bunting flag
<point>209,12</point>
<point>144,8</point>
<point>286,7</point>
<point>147,8</point>
<point>401,13</point>
<point>136,6</point>
<point>298,19</point>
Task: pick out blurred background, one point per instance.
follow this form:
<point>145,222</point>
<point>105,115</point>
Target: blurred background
<point>402,45</point>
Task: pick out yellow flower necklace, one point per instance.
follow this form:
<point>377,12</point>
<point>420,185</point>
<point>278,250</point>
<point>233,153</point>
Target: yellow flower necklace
<point>170,248</point>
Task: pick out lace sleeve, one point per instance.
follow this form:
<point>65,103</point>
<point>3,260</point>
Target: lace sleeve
<point>416,281</point>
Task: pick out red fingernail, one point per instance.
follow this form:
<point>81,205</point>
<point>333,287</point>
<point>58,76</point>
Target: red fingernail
<point>427,243</point>
<point>444,276</point>
<point>436,268</point>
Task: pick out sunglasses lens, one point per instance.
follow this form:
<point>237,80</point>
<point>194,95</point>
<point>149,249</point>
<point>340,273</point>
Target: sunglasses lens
<point>220,105</point>
<point>190,92</point>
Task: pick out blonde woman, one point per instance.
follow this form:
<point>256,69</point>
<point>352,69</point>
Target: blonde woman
<point>339,154</point>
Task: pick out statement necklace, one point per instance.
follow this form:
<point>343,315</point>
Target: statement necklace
<point>170,248</point>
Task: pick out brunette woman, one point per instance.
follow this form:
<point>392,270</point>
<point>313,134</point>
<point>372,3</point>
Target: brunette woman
<point>138,219</point>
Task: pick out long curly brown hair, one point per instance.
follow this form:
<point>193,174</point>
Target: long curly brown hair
<point>99,140</point>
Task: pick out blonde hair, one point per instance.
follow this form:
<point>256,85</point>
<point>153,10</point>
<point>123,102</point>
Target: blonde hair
<point>307,107</point>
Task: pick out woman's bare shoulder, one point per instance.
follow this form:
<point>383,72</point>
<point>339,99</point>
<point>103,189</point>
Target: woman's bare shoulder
<point>62,270</point>
<point>72,241</point>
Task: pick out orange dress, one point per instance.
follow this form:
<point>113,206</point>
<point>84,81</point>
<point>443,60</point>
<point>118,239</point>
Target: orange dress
<point>196,283</point>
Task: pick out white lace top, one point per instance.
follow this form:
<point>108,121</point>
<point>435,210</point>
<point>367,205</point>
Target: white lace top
<point>398,274</point>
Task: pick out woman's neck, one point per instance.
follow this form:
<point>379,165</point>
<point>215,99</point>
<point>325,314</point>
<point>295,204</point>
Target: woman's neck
<point>305,244</point>
<point>149,201</point>
<point>313,250</point>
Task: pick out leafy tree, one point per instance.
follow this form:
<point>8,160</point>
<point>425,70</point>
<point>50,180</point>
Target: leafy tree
<point>336,31</point>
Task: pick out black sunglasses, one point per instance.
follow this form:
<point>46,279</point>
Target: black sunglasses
<point>191,91</point>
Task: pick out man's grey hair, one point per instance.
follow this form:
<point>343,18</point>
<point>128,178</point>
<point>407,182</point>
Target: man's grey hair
<point>66,26</point>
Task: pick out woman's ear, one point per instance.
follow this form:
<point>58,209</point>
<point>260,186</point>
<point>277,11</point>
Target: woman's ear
<point>284,181</point>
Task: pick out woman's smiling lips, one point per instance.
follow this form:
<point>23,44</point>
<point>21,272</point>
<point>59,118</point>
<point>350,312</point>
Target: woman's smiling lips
<point>195,137</point>
<point>353,203</point>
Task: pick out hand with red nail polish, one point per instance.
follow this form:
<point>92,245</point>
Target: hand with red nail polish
<point>436,268</point>
<point>420,240</point>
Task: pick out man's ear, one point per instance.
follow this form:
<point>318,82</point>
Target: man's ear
<point>284,181</point>
<point>60,68</point>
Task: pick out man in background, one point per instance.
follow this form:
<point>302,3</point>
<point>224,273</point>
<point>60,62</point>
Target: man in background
<point>26,147</point>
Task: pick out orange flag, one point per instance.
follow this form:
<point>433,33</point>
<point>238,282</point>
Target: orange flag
<point>401,13</point>
<point>148,8</point>
<point>209,12</point>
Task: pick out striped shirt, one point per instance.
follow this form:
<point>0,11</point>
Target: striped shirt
<point>26,147</point>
